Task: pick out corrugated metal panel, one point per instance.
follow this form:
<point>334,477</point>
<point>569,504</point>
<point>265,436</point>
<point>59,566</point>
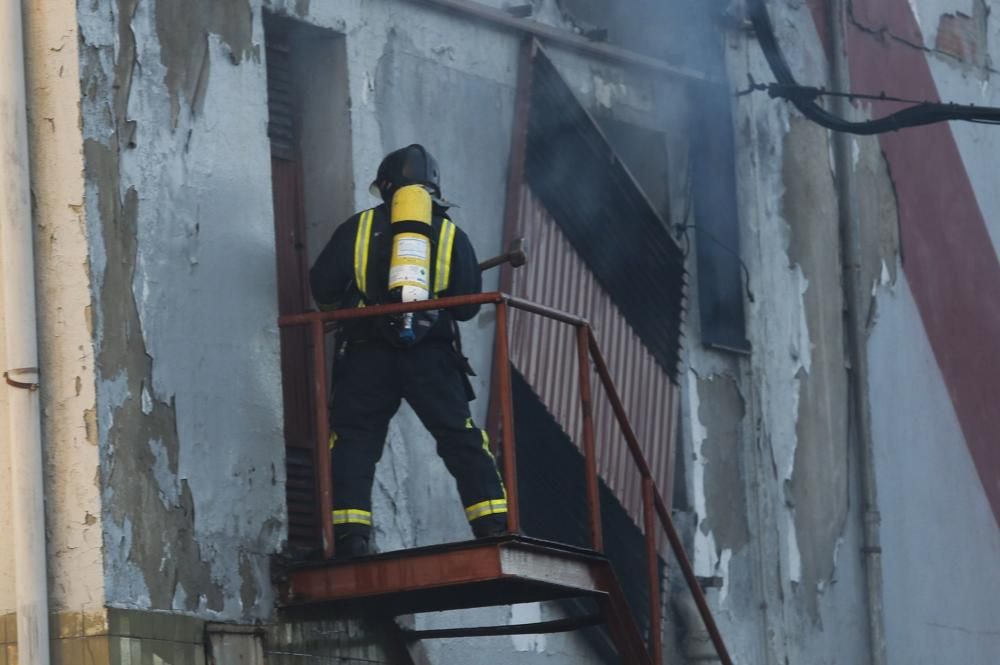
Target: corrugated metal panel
<point>544,352</point>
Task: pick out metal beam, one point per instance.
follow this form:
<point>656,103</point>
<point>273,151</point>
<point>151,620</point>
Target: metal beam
<point>566,39</point>
<point>452,576</point>
<point>540,628</point>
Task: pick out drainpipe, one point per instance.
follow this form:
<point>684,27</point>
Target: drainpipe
<point>17,272</point>
<point>857,297</point>
<point>697,646</point>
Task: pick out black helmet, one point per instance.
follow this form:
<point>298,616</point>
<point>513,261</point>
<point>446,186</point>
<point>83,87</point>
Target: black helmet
<point>411,165</point>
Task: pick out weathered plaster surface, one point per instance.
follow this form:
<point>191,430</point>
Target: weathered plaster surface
<point>976,143</point>
<point>183,28</point>
<point>818,491</point>
<point>939,544</point>
<point>790,589</point>
<point>931,500</point>
<point>875,205</point>
<point>179,213</point>
<point>721,410</point>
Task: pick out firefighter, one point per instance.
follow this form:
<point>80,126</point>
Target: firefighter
<point>380,361</point>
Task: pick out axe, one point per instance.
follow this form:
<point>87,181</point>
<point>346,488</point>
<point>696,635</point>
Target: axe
<point>516,255</point>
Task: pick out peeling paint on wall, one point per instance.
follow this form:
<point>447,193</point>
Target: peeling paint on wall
<point>182,254</point>
<point>875,202</point>
<point>817,491</point>
<point>182,28</point>
<point>162,547</point>
<point>721,410</point>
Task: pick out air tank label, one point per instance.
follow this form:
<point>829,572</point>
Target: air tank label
<point>408,274</point>
<point>412,248</point>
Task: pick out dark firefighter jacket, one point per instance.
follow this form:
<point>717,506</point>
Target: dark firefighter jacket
<point>347,258</point>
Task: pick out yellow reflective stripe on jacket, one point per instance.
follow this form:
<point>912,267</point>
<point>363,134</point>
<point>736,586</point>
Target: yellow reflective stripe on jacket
<point>361,244</point>
<point>484,508</point>
<point>446,240</point>
<point>352,516</point>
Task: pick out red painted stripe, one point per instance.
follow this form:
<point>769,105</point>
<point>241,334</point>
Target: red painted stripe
<point>818,9</point>
<point>949,259</point>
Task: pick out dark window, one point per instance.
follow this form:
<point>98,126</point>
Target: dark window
<point>715,227</point>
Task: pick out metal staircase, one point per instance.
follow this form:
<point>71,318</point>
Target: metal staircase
<point>513,568</point>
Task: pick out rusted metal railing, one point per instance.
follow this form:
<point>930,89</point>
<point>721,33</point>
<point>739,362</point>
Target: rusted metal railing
<point>588,351</point>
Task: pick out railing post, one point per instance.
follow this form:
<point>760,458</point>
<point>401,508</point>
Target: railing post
<point>507,420</point>
<point>589,446</point>
<point>652,570</point>
<point>323,472</point>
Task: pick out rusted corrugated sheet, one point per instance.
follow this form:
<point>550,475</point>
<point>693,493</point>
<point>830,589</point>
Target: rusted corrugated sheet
<point>545,353</point>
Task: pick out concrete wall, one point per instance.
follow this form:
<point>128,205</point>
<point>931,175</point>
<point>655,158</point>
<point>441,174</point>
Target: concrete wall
<point>179,222</point>
<point>770,479</point>
<point>157,271</point>
<point>182,257</point>
<point>932,485</point>
<point>776,428</point>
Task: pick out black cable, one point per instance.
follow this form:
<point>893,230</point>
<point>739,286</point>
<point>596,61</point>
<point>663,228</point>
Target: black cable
<point>778,90</point>
<point>685,225</point>
<point>804,97</point>
<point>714,238</point>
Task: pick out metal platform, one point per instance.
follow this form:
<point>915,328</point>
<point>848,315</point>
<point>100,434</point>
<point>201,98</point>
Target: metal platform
<point>497,571</point>
<point>482,573</point>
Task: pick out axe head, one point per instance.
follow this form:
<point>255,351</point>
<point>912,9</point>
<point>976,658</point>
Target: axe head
<point>517,252</point>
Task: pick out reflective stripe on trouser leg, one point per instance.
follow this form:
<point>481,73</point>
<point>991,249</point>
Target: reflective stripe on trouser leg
<point>435,389</point>
<point>484,508</point>
<point>364,399</point>
<point>491,506</point>
<point>486,446</point>
<point>352,516</point>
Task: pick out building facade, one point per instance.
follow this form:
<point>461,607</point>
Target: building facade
<point>835,474</point>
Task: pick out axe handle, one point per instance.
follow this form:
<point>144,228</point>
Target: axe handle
<point>494,262</point>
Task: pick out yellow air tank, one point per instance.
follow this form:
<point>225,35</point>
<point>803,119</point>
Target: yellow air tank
<point>410,263</point>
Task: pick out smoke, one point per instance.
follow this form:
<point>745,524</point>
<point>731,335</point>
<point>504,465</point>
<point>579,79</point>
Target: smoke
<point>682,32</point>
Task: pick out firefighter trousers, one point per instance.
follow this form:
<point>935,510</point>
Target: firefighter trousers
<point>369,383</point>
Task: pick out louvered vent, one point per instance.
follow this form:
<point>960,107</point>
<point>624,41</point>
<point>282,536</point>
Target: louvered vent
<point>301,491</point>
<point>301,495</point>
<point>280,100</point>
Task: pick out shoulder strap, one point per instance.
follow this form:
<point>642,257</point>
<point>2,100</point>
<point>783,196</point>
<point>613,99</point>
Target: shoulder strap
<point>442,267</point>
<point>361,243</point>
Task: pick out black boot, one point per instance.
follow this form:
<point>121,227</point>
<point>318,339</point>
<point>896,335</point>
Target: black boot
<point>490,526</point>
<point>352,545</point>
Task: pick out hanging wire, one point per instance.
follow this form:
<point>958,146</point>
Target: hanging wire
<point>804,97</point>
